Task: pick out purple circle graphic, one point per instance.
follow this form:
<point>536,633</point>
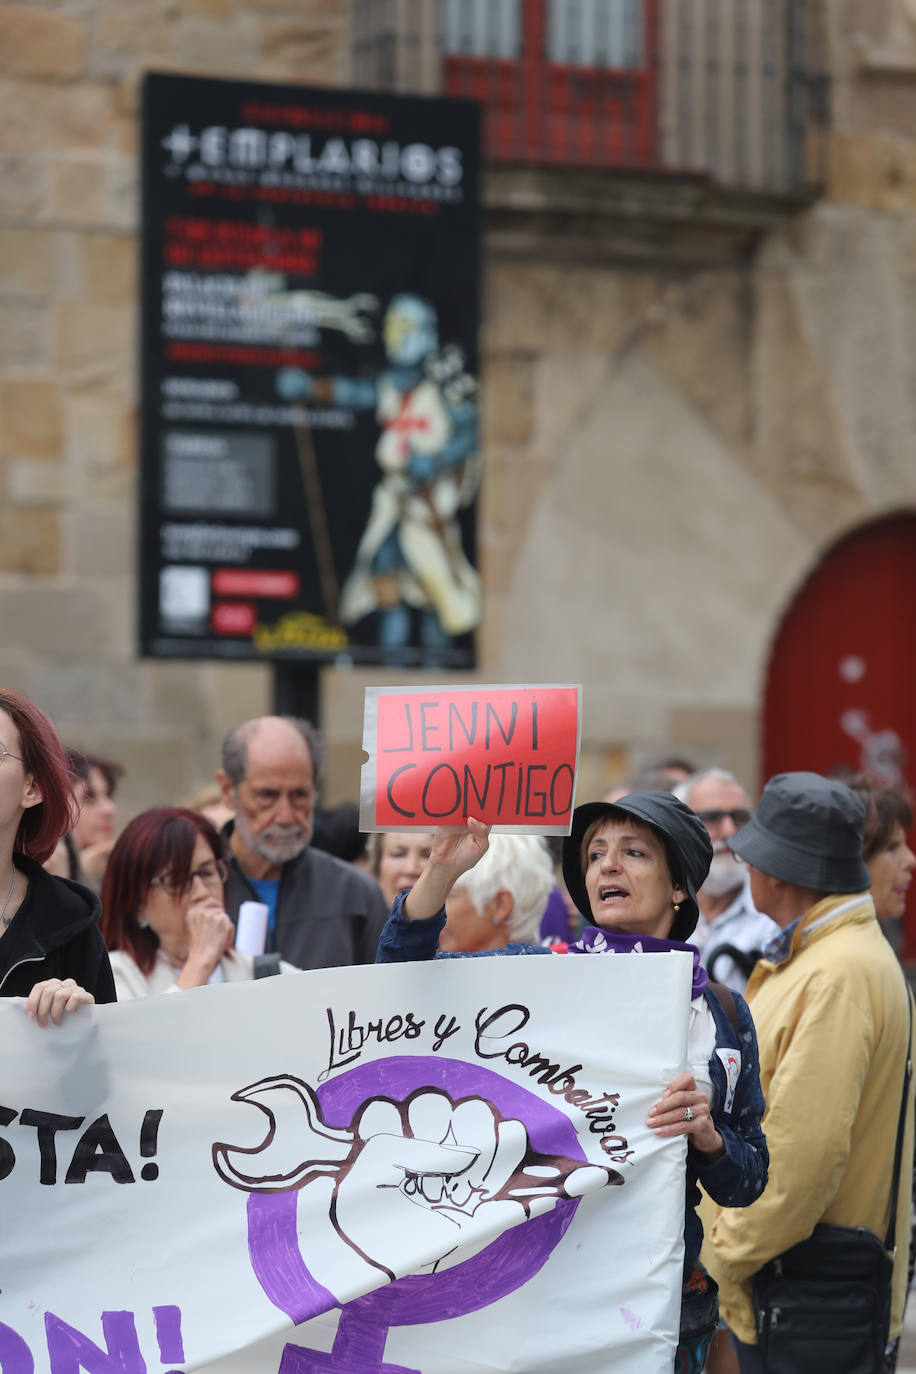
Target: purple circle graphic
<point>504,1265</point>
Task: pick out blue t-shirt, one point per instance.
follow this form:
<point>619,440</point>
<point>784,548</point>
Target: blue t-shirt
<point>268,890</point>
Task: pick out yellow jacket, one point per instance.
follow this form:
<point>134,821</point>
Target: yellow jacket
<point>832,1030</point>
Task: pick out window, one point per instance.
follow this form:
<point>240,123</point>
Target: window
<point>562,82</point>
<point>482,28</point>
<point>595,33</point>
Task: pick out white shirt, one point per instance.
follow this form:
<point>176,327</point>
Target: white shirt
<point>701,1044</point>
<point>741,925</point>
<point>130,983</point>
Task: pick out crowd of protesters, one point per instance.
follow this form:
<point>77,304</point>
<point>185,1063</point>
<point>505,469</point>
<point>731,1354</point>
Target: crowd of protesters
<point>787,904</point>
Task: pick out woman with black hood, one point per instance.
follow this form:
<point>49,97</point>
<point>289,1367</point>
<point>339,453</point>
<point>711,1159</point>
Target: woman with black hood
<point>51,951</point>
<point>633,868</point>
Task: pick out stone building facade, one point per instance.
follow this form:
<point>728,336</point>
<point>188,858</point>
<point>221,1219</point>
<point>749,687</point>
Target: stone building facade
<point>687,398</point>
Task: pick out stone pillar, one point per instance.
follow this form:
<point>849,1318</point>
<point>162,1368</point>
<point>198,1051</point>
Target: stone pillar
<point>395,45</point>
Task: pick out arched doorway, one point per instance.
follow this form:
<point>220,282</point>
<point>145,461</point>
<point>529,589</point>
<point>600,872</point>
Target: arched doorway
<point>841,680</point>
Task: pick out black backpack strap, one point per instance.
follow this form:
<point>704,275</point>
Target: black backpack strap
<point>724,995</point>
<point>889,1239</point>
<point>743,959</point>
<point>266,965</point>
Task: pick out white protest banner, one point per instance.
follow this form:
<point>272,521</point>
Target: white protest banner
<point>505,754</point>
<point>436,1168</point>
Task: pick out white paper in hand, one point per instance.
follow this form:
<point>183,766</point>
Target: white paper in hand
<point>251,932</point>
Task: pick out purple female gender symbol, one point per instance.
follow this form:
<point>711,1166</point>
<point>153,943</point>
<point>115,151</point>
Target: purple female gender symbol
<point>511,1260</point>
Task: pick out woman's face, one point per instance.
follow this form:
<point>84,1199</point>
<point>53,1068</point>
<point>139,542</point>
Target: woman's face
<point>469,928</point>
<point>17,787</point>
<point>891,870</point>
<point>402,861</point>
<point>97,810</point>
<point>465,927</point>
<point>166,909</point>
<point>627,879</point>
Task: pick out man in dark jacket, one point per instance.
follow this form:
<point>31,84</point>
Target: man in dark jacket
<point>323,913</point>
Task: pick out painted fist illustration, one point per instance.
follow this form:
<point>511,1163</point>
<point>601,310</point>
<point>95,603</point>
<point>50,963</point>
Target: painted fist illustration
<point>415,1183</point>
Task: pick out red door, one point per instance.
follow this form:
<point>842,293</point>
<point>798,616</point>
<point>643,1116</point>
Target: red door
<point>840,680</point>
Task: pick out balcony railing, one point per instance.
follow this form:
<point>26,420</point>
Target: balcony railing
<point>733,90</point>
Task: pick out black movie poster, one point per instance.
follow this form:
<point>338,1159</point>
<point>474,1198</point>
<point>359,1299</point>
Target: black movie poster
<point>310,421</point>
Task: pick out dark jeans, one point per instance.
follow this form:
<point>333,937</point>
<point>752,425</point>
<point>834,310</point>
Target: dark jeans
<point>748,1357</point>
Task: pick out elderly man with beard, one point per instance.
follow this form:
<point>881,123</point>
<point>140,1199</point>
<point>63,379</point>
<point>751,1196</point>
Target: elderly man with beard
<point>323,913</point>
<point>728,917</point>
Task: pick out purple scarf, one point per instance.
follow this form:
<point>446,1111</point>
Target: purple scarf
<point>595,941</point>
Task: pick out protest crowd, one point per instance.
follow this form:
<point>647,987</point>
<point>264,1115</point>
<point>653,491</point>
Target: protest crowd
<point>796,1102</point>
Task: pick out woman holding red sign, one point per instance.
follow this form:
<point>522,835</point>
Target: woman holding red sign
<point>633,868</point>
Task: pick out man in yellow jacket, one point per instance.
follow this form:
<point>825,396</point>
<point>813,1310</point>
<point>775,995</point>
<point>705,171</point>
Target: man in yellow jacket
<point>831,1009</point>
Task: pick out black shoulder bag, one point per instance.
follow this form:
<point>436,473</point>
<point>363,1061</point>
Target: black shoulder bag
<point>826,1303</point>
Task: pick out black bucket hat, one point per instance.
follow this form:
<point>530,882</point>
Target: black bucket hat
<point>686,841</point>
<point>807,830</point>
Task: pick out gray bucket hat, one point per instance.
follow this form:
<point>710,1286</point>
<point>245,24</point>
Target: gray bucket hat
<point>684,835</point>
<point>807,830</point>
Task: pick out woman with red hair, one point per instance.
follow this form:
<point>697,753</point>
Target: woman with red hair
<point>162,896</point>
<point>51,951</point>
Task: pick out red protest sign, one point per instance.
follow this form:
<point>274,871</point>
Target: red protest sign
<point>505,755</point>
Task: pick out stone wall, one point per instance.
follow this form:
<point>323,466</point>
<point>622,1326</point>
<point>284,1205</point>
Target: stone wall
<point>669,447</point>
<point>69,82</point>
<point>693,446</point>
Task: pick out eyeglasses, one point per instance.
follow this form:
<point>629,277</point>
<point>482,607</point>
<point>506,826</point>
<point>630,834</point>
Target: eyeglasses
<point>5,754</point>
<point>211,874</point>
<point>738,816</point>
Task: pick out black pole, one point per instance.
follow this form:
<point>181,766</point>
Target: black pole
<point>297,691</point>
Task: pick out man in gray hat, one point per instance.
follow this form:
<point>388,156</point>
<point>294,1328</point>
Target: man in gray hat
<point>831,1009</point>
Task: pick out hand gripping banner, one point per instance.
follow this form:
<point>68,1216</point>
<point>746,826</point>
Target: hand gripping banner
<point>437,1168</point>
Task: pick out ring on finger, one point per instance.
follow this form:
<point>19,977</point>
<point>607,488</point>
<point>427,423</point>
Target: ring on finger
<point>689,1113</point>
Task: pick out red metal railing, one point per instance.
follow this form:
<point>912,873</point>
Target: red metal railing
<point>737,91</point>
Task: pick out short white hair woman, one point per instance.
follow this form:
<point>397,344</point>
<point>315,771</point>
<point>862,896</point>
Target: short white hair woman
<point>502,898</point>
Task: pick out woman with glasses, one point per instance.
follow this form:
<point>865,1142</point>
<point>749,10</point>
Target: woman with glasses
<point>51,952</point>
<point>162,900</point>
